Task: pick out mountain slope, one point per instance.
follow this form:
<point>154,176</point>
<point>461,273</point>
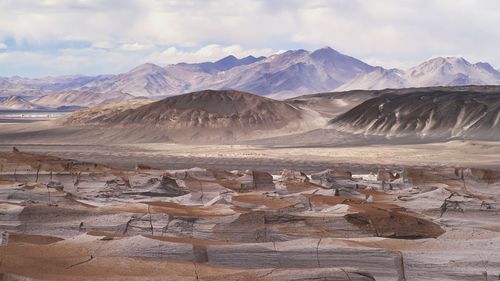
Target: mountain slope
<point>294,72</point>
<point>378,79</point>
<point>145,80</point>
<point>220,65</point>
<point>441,71</point>
<point>18,103</point>
<point>331,104</point>
<point>284,75</point>
<point>96,114</point>
<point>152,80</point>
<point>399,116</point>
<point>20,86</point>
<point>80,99</point>
<point>439,113</point>
<point>206,116</point>
<point>209,109</point>
<point>451,71</point>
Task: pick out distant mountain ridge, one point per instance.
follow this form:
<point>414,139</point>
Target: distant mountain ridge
<point>440,71</point>
<point>65,101</point>
<point>18,103</point>
<point>284,75</point>
<point>80,99</point>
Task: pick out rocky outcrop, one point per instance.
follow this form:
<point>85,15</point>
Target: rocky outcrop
<point>331,175</point>
<point>245,225</point>
<point>296,176</point>
<point>423,114</point>
<point>387,176</point>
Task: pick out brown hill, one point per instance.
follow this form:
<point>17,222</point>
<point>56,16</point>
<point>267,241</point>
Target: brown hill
<point>200,117</point>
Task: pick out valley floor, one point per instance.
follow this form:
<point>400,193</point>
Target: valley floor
<point>308,159</point>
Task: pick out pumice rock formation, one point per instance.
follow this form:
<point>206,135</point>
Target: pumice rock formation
<point>212,224</point>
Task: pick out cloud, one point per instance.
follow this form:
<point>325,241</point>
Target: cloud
<point>392,33</point>
<point>102,45</point>
<point>3,46</point>
<point>136,46</point>
<point>210,52</point>
<point>100,59</point>
<point>66,62</point>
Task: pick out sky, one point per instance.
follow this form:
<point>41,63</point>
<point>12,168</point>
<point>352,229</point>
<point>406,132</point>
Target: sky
<point>64,37</point>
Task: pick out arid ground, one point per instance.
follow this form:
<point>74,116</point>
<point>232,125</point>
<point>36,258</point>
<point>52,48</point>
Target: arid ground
<point>135,212</point>
<point>181,189</point>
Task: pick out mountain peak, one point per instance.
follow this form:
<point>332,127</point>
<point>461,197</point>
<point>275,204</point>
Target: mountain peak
<point>451,71</point>
<point>457,60</point>
<point>447,60</point>
<point>486,66</point>
<point>285,74</point>
<point>442,64</point>
<point>232,61</point>
<point>251,59</point>
<point>147,67</point>
<point>228,59</point>
<point>325,51</point>
<point>298,52</point>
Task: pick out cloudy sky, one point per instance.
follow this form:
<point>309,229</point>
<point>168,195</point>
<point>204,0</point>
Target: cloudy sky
<point>59,37</point>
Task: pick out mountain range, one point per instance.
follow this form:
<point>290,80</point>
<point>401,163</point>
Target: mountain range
<point>69,100</point>
<point>284,75</point>
<point>410,115</point>
<point>441,71</point>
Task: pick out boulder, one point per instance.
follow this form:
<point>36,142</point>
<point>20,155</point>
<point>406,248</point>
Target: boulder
<point>330,175</point>
<point>292,175</point>
<point>256,181</point>
<point>387,176</point>
<point>55,185</point>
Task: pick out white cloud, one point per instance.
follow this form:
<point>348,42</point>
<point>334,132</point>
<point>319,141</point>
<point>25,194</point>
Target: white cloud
<point>100,60</point>
<point>392,33</point>
<point>66,62</point>
<point>3,46</point>
<point>136,46</point>
<point>207,53</point>
<point>102,45</point>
